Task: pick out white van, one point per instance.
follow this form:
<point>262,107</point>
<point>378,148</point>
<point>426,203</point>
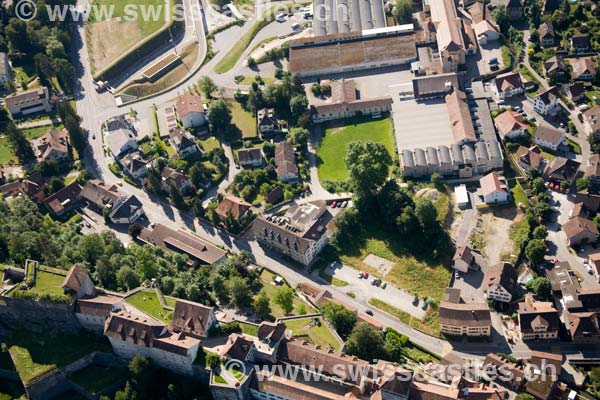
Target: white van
<point>296,26</point>
<point>280,18</point>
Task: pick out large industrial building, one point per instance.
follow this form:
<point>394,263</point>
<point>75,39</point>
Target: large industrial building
<point>343,16</point>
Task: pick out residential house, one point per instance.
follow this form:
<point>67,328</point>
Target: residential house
<point>190,111</point>
<point>121,141</point>
<point>52,146</point>
<point>538,319</point>
<point>531,158</point>
<point>511,125</point>
<point>549,137</point>
<point>580,230</point>
<point>584,69</point>
<point>193,319</point>
<point>24,187</point>
<point>131,335</point>
<point>266,121</point>
<point>500,282</point>
<point>580,43</point>
<point>507,85</point>
<point>99,195</point>
<point>234,206</point>
<point>171,177</point>
<point>78,282</point>
<point>514,9</point>
<point>5,74</point>
<point>183,142</point>
<point>346,102</point>
<point>457,319</point>
<point>29,102</point>
<point>64,200</point>
<point>199,251</point>
<point>275,195</point>
<point>592,118</point>
<point>574,91</point>
<point>561,170</point>
<point>486,31</point>
<point>546,31</point>
<point>584,327</point>
<point>594,262</point>
<point>503,372</point>
<point>250,158</point>
<point>494,189</point>
<point>285,163</point>
<point>592,172</point>
<point>556,68</point>
<point>134,165</point>
<point>463,259</point>
<point>126,210</point>
<point>301,233</point>
<point>589,198</point>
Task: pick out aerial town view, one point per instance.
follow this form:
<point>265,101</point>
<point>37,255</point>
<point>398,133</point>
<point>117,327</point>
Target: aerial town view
<point>300,199</point>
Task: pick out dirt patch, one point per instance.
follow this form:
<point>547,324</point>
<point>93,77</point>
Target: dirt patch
<point>428,193</point>
<point>381,264</point>
<point>492,232</point>
<point>108,40</point>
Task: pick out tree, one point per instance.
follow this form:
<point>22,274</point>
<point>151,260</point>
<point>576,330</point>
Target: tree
<point>140,371</point>
<point>541,286</point>
<point>262,306</point>
<point>581,183</point>
<point>72,123</point>
<point>535,251</point>
<point>540,232</point>
<point>348,226</point>
<point>284,297</point>
<point>239,291</point>
<point>298,105</point>
<point>366,342</point>
<point>595,379</point>
<point>128,278</point>
<point>213,360</point>
<point>395,344</point>
<point>368,164</point>
<point>426,214</point>
<point>502,19</point>
<point>299,136</point>
<point>208,86</point>
<point>19,143</point>
<point>436,179</point>
<point>342,319</point>
<point>538,185</point>
<point>403,11</point>
<point>218,115</point>
<point>176,197</point>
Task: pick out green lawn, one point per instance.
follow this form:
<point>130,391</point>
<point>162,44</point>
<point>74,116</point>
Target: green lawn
<point>6,153</point>
<point>314,331</point>
<point>249,329</point>
<point>147,301</point>
<point>94,378</point>
<point>37,354</point>
<point>590,94</point>
<point>46,283</point>
<point>430,324</point>
<point>34,133</point>
<point>270,288</point>
<point>332,149</point>
<point>209,143</point>
<point>244,120</point>
<point>154,10</point>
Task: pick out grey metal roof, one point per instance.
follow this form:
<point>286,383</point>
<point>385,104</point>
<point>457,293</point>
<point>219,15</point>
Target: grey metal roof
<point>420,158</point>
<point>432,156</point>
<point>457,155</point>
<point>407,158</point>
<point>469,154</point>
<point>444,155</point>
<point>341,16</point>
<point>481,151</point>
<point>319,18</point>
<point>494,149</point>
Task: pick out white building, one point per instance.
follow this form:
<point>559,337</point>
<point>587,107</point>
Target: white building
<point>507,85</point>
<point>546,103</point>
<point>500,282</point>
<point>462,196</point>
<point>463,259</point>
<point>132,335</point>
<point>29,102</point>
<point>126,210</point>
<point>494,189</point>
<point>486,32</point>
<point>121,141</point>
<point>190,111</point>
<point>549,137</point>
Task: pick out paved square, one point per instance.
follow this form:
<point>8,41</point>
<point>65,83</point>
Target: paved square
<point>381,264</point>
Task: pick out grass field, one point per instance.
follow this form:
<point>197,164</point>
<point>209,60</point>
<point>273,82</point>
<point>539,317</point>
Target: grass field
<point>209,143</point>
<point>94,378</point>
<point>418,274</point>
<point>249,329</point>
<point>147,301</point>
<point>244,120</point>
<point>332,149</point>
<point>316,333</point>
<point>34,133</point>
<point>6,154</point>
<point>430,324</point>
<point>46,283</point>
<point>37,354</point>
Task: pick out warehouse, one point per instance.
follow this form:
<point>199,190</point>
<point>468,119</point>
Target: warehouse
<point>342,16</point>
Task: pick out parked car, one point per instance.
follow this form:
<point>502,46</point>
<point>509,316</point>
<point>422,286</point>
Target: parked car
<point>424,307</point>
<point>344,204</point>
<point>383,285</point>
<point>334,204</point>
<point>456,275</point>
<point>369,312</point>
<point>365,275</point>
<point>415,301</point>
<point>493,60</point>
<point>360,275</point>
